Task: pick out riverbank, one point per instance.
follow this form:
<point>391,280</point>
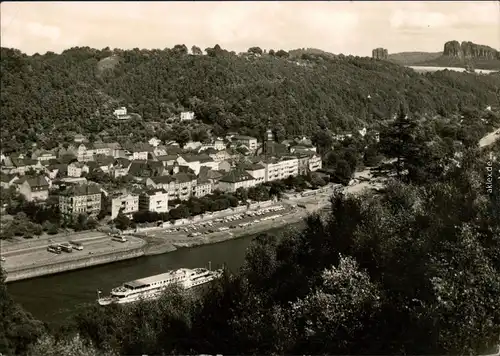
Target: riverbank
<point>31,259</point>
<point>161,243</point>
<point>35,261</point>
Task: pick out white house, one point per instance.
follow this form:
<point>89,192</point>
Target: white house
<point>282,168</point>
<point>258,172</point>
<point>34,189</point>
<point>127,203</point>
<point>154,200</point>
<point>217,144</point>
<point>192,162</point>
<point>187,116</point>
<point>314,163</point>
<point>76,169</point>
<point>250,142</point>
<point>120,111</point>
<point>154,142</point>
<point>363,132</point>
<point>193,145</point>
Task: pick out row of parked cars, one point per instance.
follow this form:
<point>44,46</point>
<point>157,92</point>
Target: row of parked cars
<point>193,229</point>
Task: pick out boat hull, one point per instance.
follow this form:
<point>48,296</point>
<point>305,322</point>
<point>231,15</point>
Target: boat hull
<point>156,294</point>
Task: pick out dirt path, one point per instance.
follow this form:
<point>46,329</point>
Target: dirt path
<point>490,138</point>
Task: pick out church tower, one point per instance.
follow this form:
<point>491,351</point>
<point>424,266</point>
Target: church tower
<point>269,139</point>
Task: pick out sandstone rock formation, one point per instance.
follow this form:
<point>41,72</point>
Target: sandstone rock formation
<point>380,53</point>
<point>469,50</point>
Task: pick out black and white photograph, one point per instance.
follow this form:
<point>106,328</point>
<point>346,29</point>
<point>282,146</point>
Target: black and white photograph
<point>250,178</point>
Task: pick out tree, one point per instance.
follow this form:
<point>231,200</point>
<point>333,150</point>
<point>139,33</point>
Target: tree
<point>399,141</point>
<point>75,346</point>
<point>332,317</point>
<point>372,157</point>
<point>181,212</point>
<point>122,222</point>
<point>196,51</point>
<point>180,49</point>
<point>241,194</point>
<point>317,180</point>
<point>281,53</point>
<point>323,140</point>
<point>343,172</point>
<point>183,138</point>
<point>255,50</point>
<point>18,329</point>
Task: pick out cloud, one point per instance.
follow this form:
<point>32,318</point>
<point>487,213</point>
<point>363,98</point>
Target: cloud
<point>421,15</point>
<point>419,19</point>
<point>53,33</point>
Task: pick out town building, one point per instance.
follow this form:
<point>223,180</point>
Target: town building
<point>154,142</point>
<point>187,116</point>
<point>155,200</point>
<point>236,179</point>
<point>202,188</point>
<point>34,189</point>
<point>85,152</point>
<point>120,168</point>
<point>7,180</point>
<point>43,155</point>
<point>120,112</point>
<point>191,161</point>
<point>21,165</point>
<point>219,156</point>
<point>193,145</point>
<point>80,199</point>
<point>76,169</point>
<point>257,171</point>
<point>79,138</point>
<point>303,164</point>
<point>315,163</point>
<point>139,151</point>
<point>280,168</point>
<point>179,186</point>
<point>248,141</point>
<point>217,144</point>
<point>126,203</point>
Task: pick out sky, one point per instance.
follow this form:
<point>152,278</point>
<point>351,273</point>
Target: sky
<point>351,27</point>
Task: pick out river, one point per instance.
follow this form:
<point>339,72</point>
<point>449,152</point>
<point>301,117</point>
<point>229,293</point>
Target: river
<point>53,299</point>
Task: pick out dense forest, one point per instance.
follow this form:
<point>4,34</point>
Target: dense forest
<point>413,268</point>
<point>48,98</point>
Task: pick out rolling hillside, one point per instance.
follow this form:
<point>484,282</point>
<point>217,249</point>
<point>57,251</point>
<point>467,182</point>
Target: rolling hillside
<point>56,95</point>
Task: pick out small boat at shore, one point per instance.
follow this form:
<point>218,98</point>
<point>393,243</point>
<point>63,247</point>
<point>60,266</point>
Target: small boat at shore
<point>151,288</point>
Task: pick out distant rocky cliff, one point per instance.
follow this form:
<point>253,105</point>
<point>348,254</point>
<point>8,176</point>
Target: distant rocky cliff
<point>469,50</point>
<point>380,53</point>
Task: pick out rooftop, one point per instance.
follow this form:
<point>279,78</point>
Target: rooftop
<point>236,176</point>
<point>81,190</point>
<point>243,137</point>
<point>34,182</point>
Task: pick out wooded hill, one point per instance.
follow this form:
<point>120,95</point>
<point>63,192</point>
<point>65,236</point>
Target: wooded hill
<point>48,98</point>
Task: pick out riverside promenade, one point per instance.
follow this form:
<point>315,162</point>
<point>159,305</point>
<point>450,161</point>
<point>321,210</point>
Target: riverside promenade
<point>30,258</point>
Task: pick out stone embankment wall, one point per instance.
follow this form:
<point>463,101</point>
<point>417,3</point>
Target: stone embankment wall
<point>64,266</point>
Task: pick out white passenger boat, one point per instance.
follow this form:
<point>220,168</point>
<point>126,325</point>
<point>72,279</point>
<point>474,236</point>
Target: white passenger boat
<point>151,287</point>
